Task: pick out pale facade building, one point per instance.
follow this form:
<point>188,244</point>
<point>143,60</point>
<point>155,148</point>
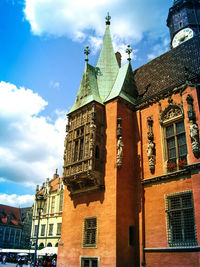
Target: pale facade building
<point>51,215</point>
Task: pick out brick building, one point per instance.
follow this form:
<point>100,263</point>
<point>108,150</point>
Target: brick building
<point>131,159</point>
<point>15,227</point>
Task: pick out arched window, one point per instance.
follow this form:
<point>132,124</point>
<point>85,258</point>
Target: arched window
<point>49,245</point>
<point>41,245</point>
<point>175,146</point>
<point>56,245</point>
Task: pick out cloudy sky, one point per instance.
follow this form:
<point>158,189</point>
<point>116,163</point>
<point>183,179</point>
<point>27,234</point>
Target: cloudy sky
<point>41,63</point>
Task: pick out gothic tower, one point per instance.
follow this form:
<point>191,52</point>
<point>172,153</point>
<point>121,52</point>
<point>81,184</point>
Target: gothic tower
<point>183,20</point>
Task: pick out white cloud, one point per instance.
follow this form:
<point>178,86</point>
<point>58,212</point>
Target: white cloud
<point>17,200</point>
<point>31,145</point>
<point>55,85</point>
<point>159,49</point>
<point>80,20</point>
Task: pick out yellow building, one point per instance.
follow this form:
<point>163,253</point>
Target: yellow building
<point>51,215</point>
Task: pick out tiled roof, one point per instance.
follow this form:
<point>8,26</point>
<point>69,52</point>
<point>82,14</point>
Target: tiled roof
<point>10,215</point>
<point>55,183</point>
<point>169,69</point>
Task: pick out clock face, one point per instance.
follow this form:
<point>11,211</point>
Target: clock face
<point>182,36</point>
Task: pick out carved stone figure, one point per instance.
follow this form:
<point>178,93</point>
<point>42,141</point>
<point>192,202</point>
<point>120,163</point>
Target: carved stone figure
<point>150,149</point>
<point>194,134</point>
<point>120,148</point>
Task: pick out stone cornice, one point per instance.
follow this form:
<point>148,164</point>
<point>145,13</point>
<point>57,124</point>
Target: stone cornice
<point>188,169</point>
<point>173,249</point>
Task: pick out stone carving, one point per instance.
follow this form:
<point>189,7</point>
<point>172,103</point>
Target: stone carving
<point>119,127</point>
<point>171,111</point>
<point>193,129</point>
<point>194,134</point>
<point>150,146</point>
<point>120,148</point>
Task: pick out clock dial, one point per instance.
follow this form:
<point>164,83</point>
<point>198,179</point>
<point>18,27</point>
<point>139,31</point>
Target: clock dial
<point>182,36</point>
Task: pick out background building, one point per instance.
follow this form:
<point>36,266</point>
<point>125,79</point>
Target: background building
<point>131,159</point>
<point>51,216</point>
<point>15,228</point>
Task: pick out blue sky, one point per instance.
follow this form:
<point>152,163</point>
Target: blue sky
<point>41,64</point>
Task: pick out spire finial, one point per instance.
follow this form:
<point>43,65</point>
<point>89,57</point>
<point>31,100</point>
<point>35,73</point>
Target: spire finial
<point>129,51</point>
<point>86,52</point>
<point>108,18</point>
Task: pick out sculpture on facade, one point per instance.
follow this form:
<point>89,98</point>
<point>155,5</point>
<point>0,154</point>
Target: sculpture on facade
<point>120,148</point>
<point>193,128</point>
<point>150,146</point>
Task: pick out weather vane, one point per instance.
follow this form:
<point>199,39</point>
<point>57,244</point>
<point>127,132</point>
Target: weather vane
<point>128,51</point>
<point>86,52</point>
<point>108,18</point>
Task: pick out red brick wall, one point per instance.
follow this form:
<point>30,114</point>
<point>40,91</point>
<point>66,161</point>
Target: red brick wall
<point>100,204</point>
<point>127,180</point>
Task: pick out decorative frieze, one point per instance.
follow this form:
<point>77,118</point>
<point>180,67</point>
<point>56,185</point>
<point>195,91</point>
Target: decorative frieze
<point>193,128</point>
<point>172,111</point>
<point>150,145</point>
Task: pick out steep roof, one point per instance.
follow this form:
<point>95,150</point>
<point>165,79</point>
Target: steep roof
<point>170,69</point>
<point>10,215</point>
<point>107,66</point>
<point>107,80</point>
<point>88,90</point>
<point>124,86</point>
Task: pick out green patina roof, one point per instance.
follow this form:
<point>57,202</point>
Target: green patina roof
<point>124,86</point>
<point>107,80</point>
<point>107,66</point>
<point>88,90</point>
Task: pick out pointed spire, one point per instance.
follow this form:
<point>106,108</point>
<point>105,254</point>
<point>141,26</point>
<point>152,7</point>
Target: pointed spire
<point>129,51</point>
<point>107,64</point>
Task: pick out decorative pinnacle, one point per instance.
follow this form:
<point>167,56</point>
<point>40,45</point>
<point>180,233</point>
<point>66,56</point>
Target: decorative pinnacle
<point>108,18</point>
<point>128,51</point>
<point>86,52</point>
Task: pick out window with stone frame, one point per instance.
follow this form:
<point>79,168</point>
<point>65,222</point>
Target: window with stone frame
<point>43,229</point>
<point>44,211</point>
<point>53,199</point>
<point>90,232</point>
<point>89,262</point>
<point>180,219</point>
<point>51,229</point>
<point>61,201</point>
<point>79,144</point>
<point>59,228</point>
<point>176,146</point>
<point>35,230</point>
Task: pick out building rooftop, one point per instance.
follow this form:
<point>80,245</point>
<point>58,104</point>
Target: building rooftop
<point>170,69</point>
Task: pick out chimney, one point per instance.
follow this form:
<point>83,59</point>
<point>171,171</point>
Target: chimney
<point>119,58</point>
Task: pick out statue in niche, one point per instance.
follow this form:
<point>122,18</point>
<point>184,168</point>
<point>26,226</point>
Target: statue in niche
<point>150,149</point>
<point>194,131</point>
<point>194,134</point>
<point>120,148</point>
<point>151,155</point>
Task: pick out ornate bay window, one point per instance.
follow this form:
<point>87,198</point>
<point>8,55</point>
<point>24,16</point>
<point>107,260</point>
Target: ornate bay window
<point>174,138</point>
<point>84,150</point>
